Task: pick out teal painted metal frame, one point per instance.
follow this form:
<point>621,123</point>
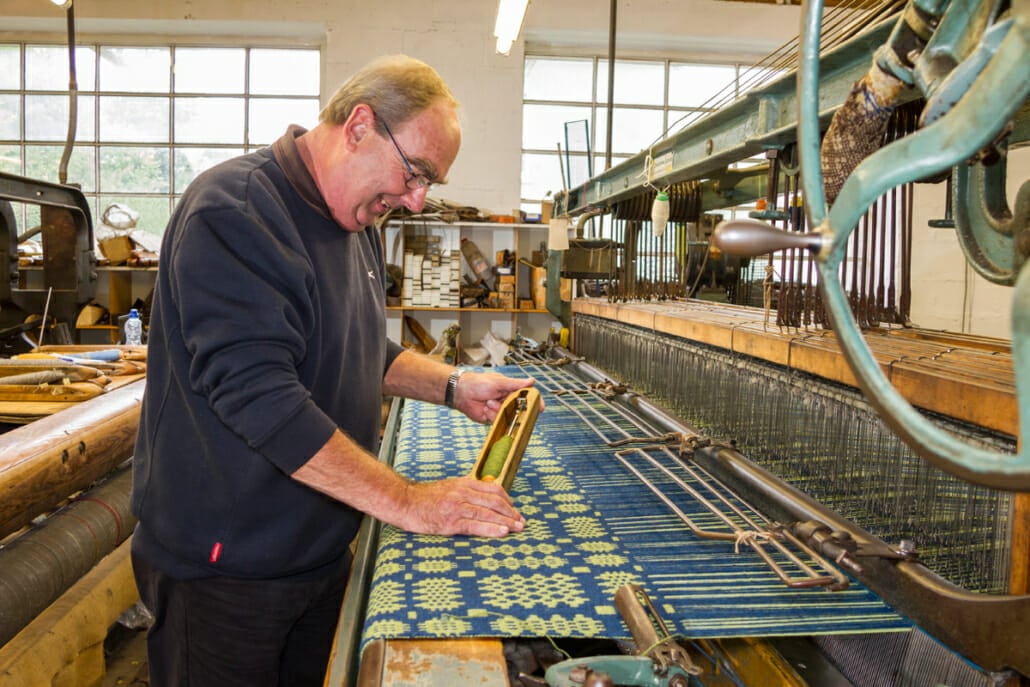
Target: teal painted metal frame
<point>346,658</point>
<point>764,118</point>
<point>992,99</point>
<point>975,74</point>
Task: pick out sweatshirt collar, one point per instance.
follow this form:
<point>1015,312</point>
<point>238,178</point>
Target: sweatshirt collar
<point>288,156</point>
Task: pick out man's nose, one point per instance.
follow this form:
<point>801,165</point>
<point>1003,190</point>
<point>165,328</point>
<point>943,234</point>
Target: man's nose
<point>415,199</point>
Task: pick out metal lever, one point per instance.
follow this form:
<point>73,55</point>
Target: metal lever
<point>746,238</point>
<point>650,634</point>
<point>661,661</point>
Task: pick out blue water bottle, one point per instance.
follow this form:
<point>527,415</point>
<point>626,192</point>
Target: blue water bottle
<point>134,329</point>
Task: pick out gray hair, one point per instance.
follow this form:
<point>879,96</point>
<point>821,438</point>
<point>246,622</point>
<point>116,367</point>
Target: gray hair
<point>396,87</point>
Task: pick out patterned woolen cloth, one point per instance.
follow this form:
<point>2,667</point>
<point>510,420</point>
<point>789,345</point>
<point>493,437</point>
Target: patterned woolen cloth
<point>591,528</point>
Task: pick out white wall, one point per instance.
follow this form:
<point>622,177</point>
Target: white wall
<point>946,293</point>
<point>455,37</point>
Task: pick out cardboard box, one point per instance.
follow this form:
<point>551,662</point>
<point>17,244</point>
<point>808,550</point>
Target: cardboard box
<point>538,286</point>
<point>117,249</point>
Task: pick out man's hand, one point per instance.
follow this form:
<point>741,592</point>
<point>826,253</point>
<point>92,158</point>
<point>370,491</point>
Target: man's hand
<point>480,394</point>
<point>460,505</point>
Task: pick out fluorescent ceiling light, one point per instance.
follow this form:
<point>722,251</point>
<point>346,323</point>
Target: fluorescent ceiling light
<point>510,14</point>
<point>63,4</point>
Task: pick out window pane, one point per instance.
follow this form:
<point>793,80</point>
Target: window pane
<point>136,170</point>
<point>540,174</point>
<point>10,117</point>
<point>140,70</point>
<point>754,76</point>
<point>133,119</point>
<point>44,162</point>
<point>543,126</point>
<point>635,130</point>
<point>210,70</point>
<point>269,117</point>
<point>681,119</point>
<point>601,130</point>
<point>636,83</point>
<point>153,212</point>
<point>284,72</point>
<point>548,78</point>
<point>599,162</point>
<point>46,118</point>
<point>46,68</point>
<point>577,169</point>
<point>189,162</point>
<point>33,219</point>
<point>209,120</point>
<point>10,159</point>
<point>10,67</point>
<point>694,85</point>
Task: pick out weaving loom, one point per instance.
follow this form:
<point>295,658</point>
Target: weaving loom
<point>761,472</point>
<point>594,524</point>
<point>591,528</point>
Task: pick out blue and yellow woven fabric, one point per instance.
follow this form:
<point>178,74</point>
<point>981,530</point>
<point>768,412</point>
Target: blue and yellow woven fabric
<point>591,528</point>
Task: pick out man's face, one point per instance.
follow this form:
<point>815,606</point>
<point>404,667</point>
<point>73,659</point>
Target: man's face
<point>377,179</point>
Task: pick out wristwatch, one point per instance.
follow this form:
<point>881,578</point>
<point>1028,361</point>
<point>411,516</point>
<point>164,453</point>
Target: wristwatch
<point>452,385</point>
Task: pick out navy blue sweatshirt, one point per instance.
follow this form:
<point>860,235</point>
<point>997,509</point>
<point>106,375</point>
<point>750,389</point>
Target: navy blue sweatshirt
<point>267,333</point>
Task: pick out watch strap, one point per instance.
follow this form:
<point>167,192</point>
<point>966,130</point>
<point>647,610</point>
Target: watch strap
<point>452,385</point>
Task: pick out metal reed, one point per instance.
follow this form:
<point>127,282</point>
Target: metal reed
<point>900,659</point>
<point>823,439</point>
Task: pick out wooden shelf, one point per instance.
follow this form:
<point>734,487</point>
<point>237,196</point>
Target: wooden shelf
<point>425,308</point>
<point>492,237</point>
<point>491,226</point>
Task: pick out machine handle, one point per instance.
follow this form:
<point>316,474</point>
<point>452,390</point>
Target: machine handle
<point>746,238</point>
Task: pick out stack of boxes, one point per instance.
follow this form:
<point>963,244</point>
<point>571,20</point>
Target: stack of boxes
<point>505,291</point>
<point>431,276</point>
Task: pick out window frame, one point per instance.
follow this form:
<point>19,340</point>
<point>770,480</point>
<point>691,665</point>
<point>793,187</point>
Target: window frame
<point>155,206</point>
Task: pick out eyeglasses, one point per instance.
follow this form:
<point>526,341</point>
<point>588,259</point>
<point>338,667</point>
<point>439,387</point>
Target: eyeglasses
<point>415,180</point>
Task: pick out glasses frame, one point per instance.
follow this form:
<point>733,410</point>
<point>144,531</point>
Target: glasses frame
<point>414,180</point>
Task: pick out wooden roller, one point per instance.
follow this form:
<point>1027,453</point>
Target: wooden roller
<point>502,451</point>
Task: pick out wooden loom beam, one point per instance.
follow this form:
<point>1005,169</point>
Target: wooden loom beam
<point>44,462</point>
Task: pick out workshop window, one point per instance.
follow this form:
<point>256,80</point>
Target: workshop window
<point>149,118</point>
<point>651,100</point>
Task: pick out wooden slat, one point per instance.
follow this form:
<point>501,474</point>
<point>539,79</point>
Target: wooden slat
<point>64,645</point>
<point>433,663</point>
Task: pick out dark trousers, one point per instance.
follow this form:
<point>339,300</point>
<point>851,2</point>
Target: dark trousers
<point>251,633</point>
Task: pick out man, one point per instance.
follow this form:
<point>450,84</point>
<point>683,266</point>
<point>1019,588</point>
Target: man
<point>268,359</point>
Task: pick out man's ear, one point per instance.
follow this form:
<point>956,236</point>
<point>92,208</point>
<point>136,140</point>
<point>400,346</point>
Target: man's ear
<point>360,124</point>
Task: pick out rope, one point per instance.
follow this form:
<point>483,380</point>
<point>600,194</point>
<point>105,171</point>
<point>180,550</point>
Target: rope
<point>767,285</point>
<point>748,537</point>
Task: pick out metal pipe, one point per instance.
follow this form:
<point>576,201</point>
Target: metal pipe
<point>611,85</point>
<point>582,220</point>
<point>73,99</point>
